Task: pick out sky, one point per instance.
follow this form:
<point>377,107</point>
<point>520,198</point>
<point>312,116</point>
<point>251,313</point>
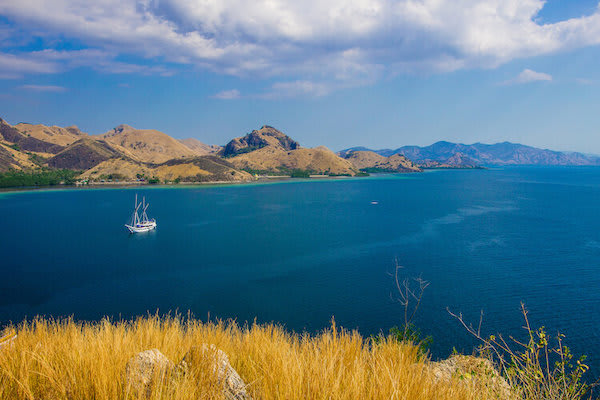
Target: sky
<point>374,73</point>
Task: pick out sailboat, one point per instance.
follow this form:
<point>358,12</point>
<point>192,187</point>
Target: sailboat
<point>141,223</point>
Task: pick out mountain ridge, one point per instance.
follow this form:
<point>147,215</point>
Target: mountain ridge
<point>502,153</point>
<point>127,153</point>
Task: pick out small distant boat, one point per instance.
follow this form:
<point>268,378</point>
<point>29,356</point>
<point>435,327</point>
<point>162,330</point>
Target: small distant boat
<point>141,223</point>
<point>374,202</point>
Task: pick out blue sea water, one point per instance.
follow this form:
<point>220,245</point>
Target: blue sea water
<point>302,252</point>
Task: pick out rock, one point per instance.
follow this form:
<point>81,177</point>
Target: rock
<point>476,370</point>
<point>144,368</point>
<point>205,355</point>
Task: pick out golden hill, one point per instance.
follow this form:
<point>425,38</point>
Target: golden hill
<point>51,134</point>
<point>146,145</point>
<point>23,142</point>
<point>197,169</point>
<point>84,154</point>
<point>201,149</point>
<point>14,159</point>
<point>369,160</point>
<point>272,158</point>
<point>268,149</point>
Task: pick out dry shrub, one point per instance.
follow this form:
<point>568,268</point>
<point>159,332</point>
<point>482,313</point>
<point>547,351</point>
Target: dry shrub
<point>64,359</point>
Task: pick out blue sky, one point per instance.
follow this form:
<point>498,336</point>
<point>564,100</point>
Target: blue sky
<point>376,73</point>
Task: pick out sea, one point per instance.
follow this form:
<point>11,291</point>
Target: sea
<point>304,253</point>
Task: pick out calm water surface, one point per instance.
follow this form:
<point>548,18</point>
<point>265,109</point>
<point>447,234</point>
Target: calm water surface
<point>301,252</point>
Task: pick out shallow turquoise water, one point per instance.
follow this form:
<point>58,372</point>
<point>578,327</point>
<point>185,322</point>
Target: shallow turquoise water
<point>301,252</point>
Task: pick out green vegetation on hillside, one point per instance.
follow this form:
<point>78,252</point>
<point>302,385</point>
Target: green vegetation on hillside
<point>375,170</point>
<point>42,177</point>
<point>293,173</point>
<point>243,150</point>
<point>299,173</point>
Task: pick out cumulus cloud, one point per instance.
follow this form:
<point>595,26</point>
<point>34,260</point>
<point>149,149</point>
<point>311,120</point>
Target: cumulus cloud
<point>342,42</point>
<point>228,95</point>
<point>527,76</point>
<point>44,88</point>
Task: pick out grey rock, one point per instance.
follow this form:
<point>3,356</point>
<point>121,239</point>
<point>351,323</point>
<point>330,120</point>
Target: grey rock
<point>477,370</point>
<point>234,387</point>
<point>145,368</point>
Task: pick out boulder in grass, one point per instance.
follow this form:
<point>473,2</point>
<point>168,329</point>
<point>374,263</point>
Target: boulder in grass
<point>145,368</point>
<point>474,370</point>
<point>210,356</point>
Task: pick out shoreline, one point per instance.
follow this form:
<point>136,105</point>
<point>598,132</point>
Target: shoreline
<point>181,185</point>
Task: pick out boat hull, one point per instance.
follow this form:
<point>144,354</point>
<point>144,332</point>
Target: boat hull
<point>141,228</point>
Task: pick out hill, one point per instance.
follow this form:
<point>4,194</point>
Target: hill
<point>21,141</point>
<point>200,148</point>
<point>197,169</point>
<point>456,161</point>
<point>146,145</point>
<point>51,134</point>
<point>268,150</point>
<point>370,161</point>
<point>271,159</point>
<point>257,139</point>
<point>13,159</point>
<point>84,154</point>
<point>505,153</point>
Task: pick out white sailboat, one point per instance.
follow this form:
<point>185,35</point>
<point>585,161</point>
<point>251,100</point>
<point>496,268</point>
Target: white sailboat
<point>141,223</point>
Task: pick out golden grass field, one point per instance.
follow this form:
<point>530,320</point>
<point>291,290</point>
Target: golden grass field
<point>63,359</point>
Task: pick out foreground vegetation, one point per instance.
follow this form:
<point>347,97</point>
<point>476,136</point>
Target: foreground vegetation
<point>63,359</point>
<point>67,360</point>
<point>42,177</point>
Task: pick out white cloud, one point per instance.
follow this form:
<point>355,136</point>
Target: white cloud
<point>228,95</point>
<point>341,42</point>
<point>44,88</point>
<point>12,66</point>
<point>527,76</point>
<point>49,61</point>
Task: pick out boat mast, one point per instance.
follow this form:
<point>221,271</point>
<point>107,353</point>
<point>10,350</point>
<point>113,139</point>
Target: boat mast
<point>144,206</point>
<point>136,217</point>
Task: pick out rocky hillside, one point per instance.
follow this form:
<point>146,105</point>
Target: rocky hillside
<point>371,161</point>
<point>505,153</point>
<point>269,150</point>
<point>257,139</point>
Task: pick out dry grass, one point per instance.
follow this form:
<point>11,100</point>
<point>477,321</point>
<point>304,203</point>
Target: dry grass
<point>68,360</point>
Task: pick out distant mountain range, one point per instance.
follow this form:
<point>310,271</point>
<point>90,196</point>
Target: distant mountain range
<point>505,153</point>
<point>125,153</point>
